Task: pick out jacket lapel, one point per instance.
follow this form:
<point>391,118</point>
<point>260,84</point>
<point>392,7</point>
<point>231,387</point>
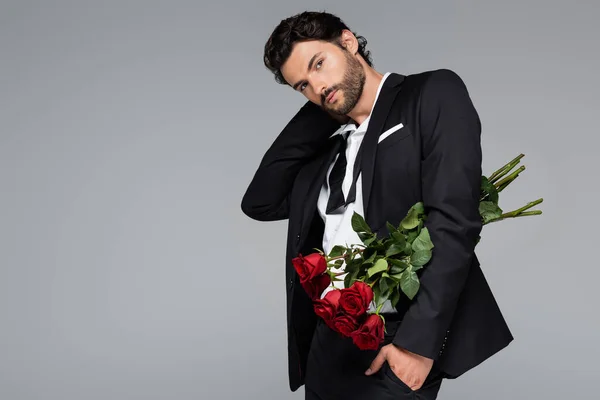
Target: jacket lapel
<point>389,90</point>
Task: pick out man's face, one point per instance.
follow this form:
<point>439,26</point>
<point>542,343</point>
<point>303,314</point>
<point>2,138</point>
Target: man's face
<point>326,74</point>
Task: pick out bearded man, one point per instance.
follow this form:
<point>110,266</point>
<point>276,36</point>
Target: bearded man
<point>376,143</point>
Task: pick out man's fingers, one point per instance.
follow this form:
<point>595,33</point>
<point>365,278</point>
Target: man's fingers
<point>377,362</point>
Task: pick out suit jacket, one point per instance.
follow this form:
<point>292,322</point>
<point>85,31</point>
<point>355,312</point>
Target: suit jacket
<point>435,157</point>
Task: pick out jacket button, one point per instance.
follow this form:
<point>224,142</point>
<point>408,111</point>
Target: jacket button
<point>298,238</point>
<point>290,283</point>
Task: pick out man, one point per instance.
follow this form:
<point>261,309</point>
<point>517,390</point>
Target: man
<point>376,144</point>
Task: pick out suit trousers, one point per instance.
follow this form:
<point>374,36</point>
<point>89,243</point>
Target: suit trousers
<point>336,368</point>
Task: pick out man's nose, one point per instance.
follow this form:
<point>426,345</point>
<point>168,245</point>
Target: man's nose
<point>321,88</point>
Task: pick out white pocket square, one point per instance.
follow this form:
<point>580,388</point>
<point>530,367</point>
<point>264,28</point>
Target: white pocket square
<point>390,131</point>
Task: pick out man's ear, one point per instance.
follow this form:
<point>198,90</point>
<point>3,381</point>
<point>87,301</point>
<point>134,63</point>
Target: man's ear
<point>349,41</point>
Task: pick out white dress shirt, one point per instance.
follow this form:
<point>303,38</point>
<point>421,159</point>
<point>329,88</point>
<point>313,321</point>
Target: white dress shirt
<point>338,225</point>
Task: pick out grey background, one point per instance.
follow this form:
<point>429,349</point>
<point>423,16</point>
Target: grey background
<point>129,131</point>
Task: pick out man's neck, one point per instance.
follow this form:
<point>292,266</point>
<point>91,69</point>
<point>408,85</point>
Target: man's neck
<point>365,104</point>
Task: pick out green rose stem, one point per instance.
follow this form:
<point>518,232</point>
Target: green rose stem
<point>506,181</point>
<point>504,169</point>
<point>520,212</point>
<point>536,212</point>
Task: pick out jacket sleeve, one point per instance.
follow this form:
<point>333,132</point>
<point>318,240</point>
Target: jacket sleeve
<point>451,177</point>
<point>267,196</point>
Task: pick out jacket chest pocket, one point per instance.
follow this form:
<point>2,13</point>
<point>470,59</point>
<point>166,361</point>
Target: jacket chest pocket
<point>392,136</point>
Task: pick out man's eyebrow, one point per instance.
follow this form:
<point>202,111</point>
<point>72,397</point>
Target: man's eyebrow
<point>310,63</point>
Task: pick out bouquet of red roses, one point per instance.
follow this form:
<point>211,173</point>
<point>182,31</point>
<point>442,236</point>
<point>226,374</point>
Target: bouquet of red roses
<point>381,270</point>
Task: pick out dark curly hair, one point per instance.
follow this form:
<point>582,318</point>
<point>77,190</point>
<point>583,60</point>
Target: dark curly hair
<point>308,25</point>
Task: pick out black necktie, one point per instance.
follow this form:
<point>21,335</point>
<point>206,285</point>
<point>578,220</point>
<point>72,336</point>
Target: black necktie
<point>336,177</point>
<point>357,164</point>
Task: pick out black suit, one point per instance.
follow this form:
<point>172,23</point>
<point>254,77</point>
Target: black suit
<point>435,158</point>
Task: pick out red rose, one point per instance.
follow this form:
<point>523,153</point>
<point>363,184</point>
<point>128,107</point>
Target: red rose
<point>327,307</point>
<point>315,287</point>
<point>345,324</point>
<point>309,267</point>
<point>370,334</point>
<point>356,299</point>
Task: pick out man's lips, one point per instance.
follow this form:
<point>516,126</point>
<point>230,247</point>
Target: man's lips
<point>330,97</point>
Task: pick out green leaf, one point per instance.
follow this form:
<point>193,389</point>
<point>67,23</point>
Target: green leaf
<point>353,264</point>
<point>410,283</point>
<point>376,291</point>
<point>420,257</point>
<point>398,266</point>
<point>371,258</point>
<point>338,263</point>
<point>398,276</point>
<point>411,220</point>
<point>419,207</point>
<point>359,224</point>
<point>408,249</point>
<point>395,297</point>
<point>399,240</point>
<point>365,236</point>
<point>363,269</point>
<point>488,190</point>
<point>380,265</point>
<point>337,251</point>
<point>350,278</point>
<point>398,237</point>
<point>365,266</point>
<point>370,240</point>
<point>347,280</point>
<point>379,295</point>
<point>489,211</point>
<point>384,284</point>
<point>394,249</point>
<point>391,228</point>
<point>410,237</point>
<point>422,241</point>
<point>348,256</point>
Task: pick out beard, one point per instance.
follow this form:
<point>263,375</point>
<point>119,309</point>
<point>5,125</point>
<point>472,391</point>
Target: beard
<point>352,86</point>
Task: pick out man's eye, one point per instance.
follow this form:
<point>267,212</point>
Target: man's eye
<point>302,86</point>
<point>319,63</point>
